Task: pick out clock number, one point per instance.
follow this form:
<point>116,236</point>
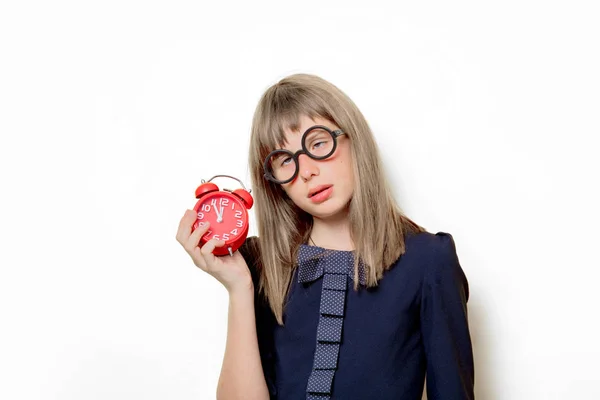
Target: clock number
<point>234,232</point>
<point>216,236</point>
<point>239,223</point>
<point>224,202</point>
<point>225,236</point>
<point>206,207</point>
<point>233,206</point>
<point>238,214</point>
<point>201,216</point>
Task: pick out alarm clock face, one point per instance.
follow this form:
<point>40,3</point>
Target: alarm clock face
<point>226,213</point>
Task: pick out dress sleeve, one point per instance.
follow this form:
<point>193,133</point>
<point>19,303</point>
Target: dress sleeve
<point>264,317</point>
<point>444,323</point>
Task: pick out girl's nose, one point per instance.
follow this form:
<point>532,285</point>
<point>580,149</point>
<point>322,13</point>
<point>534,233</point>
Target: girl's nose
<point>307,167</point>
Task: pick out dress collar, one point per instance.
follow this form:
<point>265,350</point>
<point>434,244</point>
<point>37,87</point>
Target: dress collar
<point>314,261</point>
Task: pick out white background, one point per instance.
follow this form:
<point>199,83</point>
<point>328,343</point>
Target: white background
<point>112,112</point>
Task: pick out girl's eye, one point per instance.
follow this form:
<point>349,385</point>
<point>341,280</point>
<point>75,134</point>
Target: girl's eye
<point>285,161</point>
<point>317,144</point>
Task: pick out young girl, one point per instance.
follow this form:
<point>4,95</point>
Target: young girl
<point>340,296</point>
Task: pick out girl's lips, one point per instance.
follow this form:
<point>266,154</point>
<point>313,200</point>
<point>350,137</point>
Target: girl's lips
<point>322,196</point>
<point>317,190</point>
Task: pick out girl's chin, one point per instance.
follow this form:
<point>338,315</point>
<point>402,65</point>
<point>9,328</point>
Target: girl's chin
<point>329,212</point>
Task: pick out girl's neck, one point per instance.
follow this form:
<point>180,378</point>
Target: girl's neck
<point>333,235</point>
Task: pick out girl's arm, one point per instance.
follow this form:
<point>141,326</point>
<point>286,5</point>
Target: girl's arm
<point>242,374</point>
<point>444,324</point>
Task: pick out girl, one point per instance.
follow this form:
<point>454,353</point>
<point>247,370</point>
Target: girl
<point>340,296</point>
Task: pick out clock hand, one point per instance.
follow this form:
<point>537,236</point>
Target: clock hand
<point>219,215</point>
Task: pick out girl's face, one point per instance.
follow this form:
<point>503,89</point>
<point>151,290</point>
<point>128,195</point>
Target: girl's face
<point>335,171</point>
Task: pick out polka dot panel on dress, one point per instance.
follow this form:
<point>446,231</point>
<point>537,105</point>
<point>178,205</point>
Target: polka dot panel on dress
<point>337,263</point>
<point>313,262</point>
<point>310,270</point>
<point>332,302</point>
<point>335,267</point>
<point>320,381</point>
<point>330,329</point>
<point>326,356</point>
<point>335,281</point>
<point>316,396</point>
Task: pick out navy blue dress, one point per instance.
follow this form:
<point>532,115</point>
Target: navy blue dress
<point>375,343</point>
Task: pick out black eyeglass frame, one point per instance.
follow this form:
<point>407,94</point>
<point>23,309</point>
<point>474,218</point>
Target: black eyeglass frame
<point>334,134</point>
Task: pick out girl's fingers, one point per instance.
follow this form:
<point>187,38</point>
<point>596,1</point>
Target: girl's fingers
<point>194,238</point>
<point>207,251</point>
<point>192,246</point>
<point>202,257</point>
<point>185,226</point>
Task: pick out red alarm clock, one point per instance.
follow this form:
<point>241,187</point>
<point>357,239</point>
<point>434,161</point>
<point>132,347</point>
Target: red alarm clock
<point>227,212</point>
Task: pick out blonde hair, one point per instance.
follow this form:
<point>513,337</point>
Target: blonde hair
<point>377,232</point>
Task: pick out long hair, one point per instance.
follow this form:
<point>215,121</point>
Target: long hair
<point>378,225</point>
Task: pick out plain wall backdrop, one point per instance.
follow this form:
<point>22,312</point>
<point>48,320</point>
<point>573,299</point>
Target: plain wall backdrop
<point>112,112</point>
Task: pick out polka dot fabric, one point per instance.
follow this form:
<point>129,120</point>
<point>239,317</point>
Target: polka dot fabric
<point>335,266</point>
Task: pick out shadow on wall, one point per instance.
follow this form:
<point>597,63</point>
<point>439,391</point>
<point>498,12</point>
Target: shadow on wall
<point>482,346</point>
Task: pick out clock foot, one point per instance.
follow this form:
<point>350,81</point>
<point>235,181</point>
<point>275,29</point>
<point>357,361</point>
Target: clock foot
<point>230,252</point>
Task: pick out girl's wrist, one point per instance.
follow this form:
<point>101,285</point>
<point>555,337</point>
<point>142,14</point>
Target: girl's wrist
<point>242,289</point>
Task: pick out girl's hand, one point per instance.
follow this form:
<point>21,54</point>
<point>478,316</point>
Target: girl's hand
<point>232,272</point>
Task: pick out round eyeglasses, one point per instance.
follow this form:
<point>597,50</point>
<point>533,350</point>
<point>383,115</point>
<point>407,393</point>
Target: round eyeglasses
<point>318,142</point>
